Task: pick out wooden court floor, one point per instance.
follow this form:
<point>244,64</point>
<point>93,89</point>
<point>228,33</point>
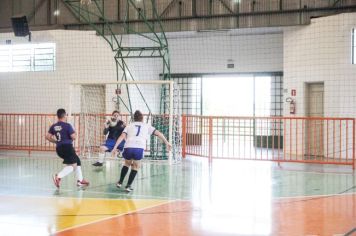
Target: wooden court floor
<point>192,198</point>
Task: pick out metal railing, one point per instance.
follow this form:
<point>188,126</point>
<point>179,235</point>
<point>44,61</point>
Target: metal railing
<point>280,139</point>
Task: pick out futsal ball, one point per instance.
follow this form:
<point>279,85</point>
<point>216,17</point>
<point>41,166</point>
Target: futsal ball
<point>113,123</point>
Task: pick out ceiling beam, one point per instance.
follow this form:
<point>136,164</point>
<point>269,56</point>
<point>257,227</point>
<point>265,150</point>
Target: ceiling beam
<point>33,13</point>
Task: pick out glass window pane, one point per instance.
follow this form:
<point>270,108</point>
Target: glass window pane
<point>27,57</point>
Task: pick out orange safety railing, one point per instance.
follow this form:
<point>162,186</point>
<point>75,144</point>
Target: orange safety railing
<point>25,131</point>
<point>280,139</point>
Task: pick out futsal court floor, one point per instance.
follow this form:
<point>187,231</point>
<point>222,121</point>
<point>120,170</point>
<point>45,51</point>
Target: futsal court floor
<point>195,197</point>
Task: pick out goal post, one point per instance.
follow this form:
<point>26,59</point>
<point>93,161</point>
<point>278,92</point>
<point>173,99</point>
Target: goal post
<point>91,103</point>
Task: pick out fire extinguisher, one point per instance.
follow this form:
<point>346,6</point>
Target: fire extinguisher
<point>292,105</point>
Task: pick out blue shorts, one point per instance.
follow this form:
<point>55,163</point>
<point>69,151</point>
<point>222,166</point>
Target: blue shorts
<point>110,143</point>
<point>133,154</point>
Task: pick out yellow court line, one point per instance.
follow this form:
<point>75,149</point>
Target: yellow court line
<point>64,213</point>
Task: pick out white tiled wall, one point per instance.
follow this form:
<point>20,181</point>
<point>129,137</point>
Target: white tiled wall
<point>81,55</point>
<point>321,52</point>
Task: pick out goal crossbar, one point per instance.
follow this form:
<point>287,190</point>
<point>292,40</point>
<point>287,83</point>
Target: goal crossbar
<point>122,82</point>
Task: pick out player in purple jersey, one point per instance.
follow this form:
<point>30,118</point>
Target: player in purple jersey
<point>63,134</point>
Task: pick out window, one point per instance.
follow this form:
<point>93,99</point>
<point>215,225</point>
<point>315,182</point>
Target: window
<point>354,46</point>
<point>27,57</point>
<point>190,90</point>
<point>190,87</point>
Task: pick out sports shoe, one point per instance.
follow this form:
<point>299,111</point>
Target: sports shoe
<point>118,184</point>
<point>128,189</point>
<point>98,164</point>
<point>82,183</point>
<point>56,180</point>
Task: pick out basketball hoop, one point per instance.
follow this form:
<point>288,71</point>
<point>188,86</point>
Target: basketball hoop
<point>85,2</point>
<point>115,99</point>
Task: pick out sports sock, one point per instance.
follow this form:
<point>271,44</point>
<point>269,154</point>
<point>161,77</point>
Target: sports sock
<point>78,173</point>
<point>101,157</point>
<point>65,171</point>
<point>131,177</point>
<point>124,171</point>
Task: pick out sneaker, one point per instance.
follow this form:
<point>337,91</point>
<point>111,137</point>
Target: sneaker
<point>82,183</point>
<point>128,189</point>
<point>56,180</point>
<point>98,164</point>
<point>118,184</point>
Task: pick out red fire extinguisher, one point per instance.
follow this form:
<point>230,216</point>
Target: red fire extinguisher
<point>292,105</point>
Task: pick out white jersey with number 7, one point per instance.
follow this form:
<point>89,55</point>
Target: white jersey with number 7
<point>137,134</point>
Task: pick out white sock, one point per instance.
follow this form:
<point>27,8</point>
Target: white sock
<point>101,157</point>
<point>66,171</point>
<point>78,173</point>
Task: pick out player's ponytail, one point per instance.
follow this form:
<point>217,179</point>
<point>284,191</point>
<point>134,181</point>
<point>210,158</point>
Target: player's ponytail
<point>138,116</point>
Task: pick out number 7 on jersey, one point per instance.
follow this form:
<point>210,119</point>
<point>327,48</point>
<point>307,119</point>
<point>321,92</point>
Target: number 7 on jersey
<point>138,129</point>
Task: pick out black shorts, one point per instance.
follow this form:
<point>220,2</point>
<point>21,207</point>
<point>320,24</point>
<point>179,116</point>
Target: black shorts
<point>67,153</point>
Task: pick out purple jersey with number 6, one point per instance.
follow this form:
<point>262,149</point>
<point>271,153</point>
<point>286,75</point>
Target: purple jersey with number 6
<point>62,131</point>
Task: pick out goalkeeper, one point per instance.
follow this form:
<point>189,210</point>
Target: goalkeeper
<point>113,129</point>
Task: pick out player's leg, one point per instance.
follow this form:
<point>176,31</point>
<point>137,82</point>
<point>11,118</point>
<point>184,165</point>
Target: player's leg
<point>127,155</point>
<point>120,149</point>
<point>78,172</point>
<point>137,156</point>
<point>64,172</point>
<point>103,148</point>
<point>65,153</point>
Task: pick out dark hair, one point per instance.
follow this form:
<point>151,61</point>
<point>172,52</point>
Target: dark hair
<point>138,116</point>
<point>61,113</point>
<point>115,111</point>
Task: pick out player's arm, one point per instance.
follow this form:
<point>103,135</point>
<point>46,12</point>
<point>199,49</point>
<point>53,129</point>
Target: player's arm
<point>161,137</point>
<point>106,127</point>
<point>50,138</point>
<point>119,140</point>
<point>50,135</point>
<point>73,136</point>
<point>72,133</point>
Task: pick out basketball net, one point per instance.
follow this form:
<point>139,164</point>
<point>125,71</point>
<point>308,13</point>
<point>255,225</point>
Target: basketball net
<point>85,2</point>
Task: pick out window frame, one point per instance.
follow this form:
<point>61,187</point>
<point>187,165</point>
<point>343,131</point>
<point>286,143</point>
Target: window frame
<point>24,58</point>
<point>353,46</point>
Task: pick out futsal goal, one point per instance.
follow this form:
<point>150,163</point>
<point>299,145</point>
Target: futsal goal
<point>91,103</point>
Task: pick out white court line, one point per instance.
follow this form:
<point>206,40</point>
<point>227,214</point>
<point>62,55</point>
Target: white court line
<point>315,196</point>
<point>142,196</point>
<point>317,172</point>
<point>134,195</point>
<point>89,198</point>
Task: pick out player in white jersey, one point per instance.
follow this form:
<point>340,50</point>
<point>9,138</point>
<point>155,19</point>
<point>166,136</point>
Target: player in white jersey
<point>136,135</point>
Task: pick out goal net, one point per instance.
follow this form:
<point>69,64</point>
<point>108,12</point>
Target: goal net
<point>91,104</point>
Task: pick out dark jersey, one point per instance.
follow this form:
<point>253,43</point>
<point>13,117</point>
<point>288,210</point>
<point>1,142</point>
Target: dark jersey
<point>62,131</point>
<point>116,131</point>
